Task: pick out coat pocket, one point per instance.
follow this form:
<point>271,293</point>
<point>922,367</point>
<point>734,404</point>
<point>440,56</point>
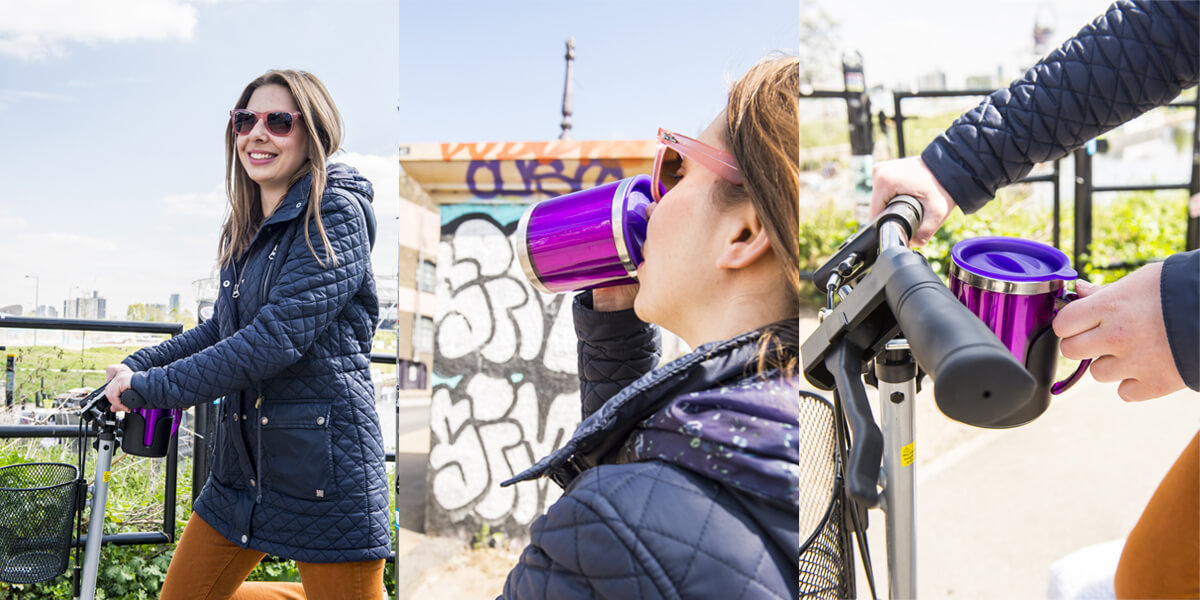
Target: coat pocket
<point>297,457</point>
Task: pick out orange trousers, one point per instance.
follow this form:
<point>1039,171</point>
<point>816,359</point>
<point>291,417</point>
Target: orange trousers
<point>1161,558</point>
<point>206,566</point>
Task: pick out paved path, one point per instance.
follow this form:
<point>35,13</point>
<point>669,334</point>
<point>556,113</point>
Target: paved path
<point>996,507</point>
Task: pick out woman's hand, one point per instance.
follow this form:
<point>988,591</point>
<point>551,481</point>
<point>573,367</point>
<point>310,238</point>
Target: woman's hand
<point>1122,324</point>
<point>610,299</point>
<point>910,176</point>
<point>118,377</point>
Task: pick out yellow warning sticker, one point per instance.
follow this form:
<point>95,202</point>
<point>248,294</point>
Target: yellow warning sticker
<point>906,455</point>
<point>107,475</point>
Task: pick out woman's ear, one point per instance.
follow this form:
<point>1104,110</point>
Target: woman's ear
<point>749,240</point>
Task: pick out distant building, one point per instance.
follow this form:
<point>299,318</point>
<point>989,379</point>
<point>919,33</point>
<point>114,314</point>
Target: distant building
<point>932,82</point>
<point>86,307</point>
<point>174,303</point>
<point>46,311</point>
<point>406,302</point>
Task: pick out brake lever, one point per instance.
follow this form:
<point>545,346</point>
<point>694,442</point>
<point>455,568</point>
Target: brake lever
<point>866,448</point>
<point>94,405</point>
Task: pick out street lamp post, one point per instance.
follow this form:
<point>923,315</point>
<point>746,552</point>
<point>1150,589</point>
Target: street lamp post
<point>37,284</point>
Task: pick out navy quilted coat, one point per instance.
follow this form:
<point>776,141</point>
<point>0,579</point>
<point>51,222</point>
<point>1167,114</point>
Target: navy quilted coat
<point>1134,57</point>
<point>298,462</point>
<point>633,524</point>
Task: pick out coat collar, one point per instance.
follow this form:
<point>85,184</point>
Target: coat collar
<point>709,364</point>
<point>293,203</point>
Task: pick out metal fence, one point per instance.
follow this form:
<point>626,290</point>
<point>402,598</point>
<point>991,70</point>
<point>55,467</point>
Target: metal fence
<point>410,375</point>
<point>166,534</point>
<point>1084,185</point>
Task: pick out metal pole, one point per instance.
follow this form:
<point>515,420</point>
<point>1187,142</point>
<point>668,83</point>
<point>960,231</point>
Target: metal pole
<point>1057,205</point>
<point>399,372</point>
<point>91,553</point>
<point>568,92</point>
<point>898,118</point>
<point>858,112</point>
<point>1193,222</point>
<point>37,284</point>
<point>1083,208</point>
<point>896,372</point>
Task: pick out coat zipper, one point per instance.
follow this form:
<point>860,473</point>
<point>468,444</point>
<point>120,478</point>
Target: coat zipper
<point>267,274</point>
<point>258,454</point>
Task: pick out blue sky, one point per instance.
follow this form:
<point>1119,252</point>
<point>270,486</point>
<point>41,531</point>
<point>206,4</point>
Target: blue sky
<point>112,111</point>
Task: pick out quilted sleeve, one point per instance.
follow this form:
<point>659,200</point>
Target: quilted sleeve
<point>304,300</point>
<point>615,349</point>
<point>1180,290</point>
<point>1134,57</point>
<point>184,344</point>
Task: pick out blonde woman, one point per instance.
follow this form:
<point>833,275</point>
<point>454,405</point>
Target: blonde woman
<point>298,462</point>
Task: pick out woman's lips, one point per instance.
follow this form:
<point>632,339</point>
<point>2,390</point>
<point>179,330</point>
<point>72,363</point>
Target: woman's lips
<point>257,157</point>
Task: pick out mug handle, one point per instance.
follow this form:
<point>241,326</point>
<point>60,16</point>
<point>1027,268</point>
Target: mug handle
<point>1074,378</point>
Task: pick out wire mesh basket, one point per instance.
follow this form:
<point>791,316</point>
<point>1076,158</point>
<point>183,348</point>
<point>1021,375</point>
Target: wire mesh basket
<point>826,567</point>
<point>37,508</point>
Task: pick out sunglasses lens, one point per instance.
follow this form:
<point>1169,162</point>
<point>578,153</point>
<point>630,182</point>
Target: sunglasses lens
<point>243,121</point>
<point>668,172</point>
<point>279,123</point>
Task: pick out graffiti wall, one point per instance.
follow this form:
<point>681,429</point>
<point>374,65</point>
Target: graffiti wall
<point>504,385</point>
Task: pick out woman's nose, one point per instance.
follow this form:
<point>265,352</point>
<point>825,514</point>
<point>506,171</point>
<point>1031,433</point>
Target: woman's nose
<point>259,131</point>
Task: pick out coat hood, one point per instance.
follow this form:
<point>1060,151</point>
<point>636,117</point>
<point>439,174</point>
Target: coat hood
<point>344,177</point>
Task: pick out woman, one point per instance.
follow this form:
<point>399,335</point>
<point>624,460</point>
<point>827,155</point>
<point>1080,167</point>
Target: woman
<point>297,467</point>
<point>682,482</point>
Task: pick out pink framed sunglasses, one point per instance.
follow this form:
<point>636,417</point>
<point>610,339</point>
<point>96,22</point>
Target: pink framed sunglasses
<point>279,123</point>
<point>672,147</point>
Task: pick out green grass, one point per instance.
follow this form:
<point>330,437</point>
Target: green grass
<point>51,370</point>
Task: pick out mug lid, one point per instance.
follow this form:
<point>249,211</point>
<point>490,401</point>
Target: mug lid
<point>1012,259</point>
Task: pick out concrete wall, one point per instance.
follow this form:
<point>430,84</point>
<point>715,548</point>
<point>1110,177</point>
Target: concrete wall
<point>504,386</point>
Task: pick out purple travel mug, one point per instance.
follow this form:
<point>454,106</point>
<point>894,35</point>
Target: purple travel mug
<point>586,239</point>
<point>1016,287</point>
<point>149,430</point>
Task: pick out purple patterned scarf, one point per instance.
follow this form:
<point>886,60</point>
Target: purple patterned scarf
<point>743,435</point>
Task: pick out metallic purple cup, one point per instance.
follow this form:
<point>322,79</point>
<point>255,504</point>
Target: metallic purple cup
<point>149,430</point>
<point>1016,287</point>
<point>586,239</point>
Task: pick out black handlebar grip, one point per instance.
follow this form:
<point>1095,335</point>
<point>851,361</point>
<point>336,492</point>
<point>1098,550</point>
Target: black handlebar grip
<point>976,379</point>
<point>132,399</point>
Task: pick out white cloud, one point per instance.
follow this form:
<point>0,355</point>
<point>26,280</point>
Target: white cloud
<point>43,29</point>
<point>8,221</point>
<point>196,204</point>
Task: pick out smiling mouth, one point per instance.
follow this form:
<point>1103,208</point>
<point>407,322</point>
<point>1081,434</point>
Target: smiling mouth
<point>260,155</point>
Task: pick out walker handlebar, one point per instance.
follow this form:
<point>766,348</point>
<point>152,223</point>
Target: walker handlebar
<point>897,294</point>
<point>974,376</point>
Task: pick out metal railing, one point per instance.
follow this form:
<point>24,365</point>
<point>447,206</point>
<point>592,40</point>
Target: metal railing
<point>167,534</point>
<point>1084,186</point>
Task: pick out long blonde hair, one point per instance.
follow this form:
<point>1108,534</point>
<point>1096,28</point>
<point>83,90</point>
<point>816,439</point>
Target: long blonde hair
<point>763,133</point>
<point>323,123</point>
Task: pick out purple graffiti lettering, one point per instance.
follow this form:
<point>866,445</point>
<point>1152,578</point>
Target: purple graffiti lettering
<point>485,178</point>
